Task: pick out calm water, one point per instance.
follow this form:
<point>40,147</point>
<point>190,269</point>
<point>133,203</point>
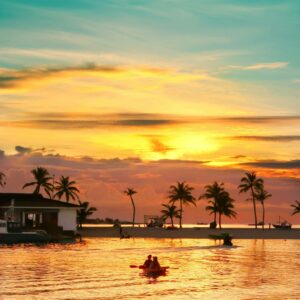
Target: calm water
<point>199,269</point>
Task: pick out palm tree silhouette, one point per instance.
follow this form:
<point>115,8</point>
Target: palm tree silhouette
<point>213,192</point>
<point>2,179</point>
<point>130,192</point>
<point>251,183</point>
<point>181,192</point>
<point>296,207</point>
<point>225,207</point>
<point>66,187</point>
<point>261,195</point>
<point>171,212</point>
<point>42,178</point>
<point>84,212</point>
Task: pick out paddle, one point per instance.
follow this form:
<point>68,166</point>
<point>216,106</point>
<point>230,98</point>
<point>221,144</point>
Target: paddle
<point>135,266</point>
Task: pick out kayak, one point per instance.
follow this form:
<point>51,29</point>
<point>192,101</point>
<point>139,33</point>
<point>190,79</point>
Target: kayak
<point>158,272</point>
<point>151,273</point>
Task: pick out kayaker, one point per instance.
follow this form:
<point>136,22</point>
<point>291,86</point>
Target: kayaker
<point>154,266</point>
<point>148,261</point>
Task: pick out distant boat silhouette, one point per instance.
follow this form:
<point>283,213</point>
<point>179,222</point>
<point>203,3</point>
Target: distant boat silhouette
<point>282,225</point>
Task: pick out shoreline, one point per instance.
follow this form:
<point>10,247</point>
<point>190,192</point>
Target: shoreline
<point>190,233</point>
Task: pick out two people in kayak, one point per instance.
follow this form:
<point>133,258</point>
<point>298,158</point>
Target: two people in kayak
<point>151,264</point>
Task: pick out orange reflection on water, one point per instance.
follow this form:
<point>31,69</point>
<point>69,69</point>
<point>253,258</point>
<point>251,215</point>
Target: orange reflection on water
<point>199,269</point>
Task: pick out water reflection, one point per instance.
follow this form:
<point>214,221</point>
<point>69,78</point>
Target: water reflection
<point>99,269</point>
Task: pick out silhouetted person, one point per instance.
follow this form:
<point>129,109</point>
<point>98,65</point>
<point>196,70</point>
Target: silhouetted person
<point>227,240</point>
<point>154,266</point>
<point>148,261</point>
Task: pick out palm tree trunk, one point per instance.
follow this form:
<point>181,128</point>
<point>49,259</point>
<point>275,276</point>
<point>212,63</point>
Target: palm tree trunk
<point>220,226</point>
<point>263,214</point>
<point>254,208</point>
<point>37,189</point>
<point>172,221</point>
<point>180,219</point>
<point>215,214</point>
<point>133,216</point>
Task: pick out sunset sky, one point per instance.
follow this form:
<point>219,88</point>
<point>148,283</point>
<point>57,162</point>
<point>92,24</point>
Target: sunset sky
<point>142,94</point>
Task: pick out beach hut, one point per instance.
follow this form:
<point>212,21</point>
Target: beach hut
<point>33,211</point>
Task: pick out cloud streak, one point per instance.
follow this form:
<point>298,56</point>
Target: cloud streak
<point>261,66</point>
<point>274,164</point>
<point>68,121</point>
<point>271,138</point>
<point>10,78</point>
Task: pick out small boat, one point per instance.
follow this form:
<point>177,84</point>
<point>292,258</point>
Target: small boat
<point>11,233</point>
<point>282,225</point>
<point>226,237</point>
<point>150,272</point>
<point>154,273</point>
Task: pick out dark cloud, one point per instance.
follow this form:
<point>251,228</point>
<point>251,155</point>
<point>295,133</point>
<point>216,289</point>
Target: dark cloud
<point>85,124</point>
<point>256,119</point>
<point>84,163</point>
<point>23,150</point>
<point>146,122</point>
<point>274,164</point>
<point>14,78</point>
<point>270,138</point>
<point>182,161</point>
<point>238,156</point>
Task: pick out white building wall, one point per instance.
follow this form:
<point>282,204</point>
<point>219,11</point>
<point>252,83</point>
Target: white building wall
<point>67,219</point>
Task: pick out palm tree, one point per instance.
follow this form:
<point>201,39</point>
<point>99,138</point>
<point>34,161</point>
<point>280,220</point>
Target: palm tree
<point>2,179</point>
<point>225,207</point>
<point>130,192</point>
<point>181,192</point>
<point>171,212</point>
<point>66,187</point>
<point>213,193</point>
<point>251,183</point>
<point>261,195</point>
<point>42,178</point>
<point>84,212</point>
<point>296,207</point>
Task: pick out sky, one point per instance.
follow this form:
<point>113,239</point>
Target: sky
<point>143,94</point>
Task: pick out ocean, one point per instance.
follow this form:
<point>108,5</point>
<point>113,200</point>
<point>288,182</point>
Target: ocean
<point>99,268</point>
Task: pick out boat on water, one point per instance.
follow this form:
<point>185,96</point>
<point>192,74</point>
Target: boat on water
<point>11,233</point>
<point>282,224</point>
<point>154,273</point>
<point>151,272</point>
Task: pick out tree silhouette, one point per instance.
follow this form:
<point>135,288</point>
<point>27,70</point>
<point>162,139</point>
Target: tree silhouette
<point>42,178</point>
<point>261,195</point>
<point>213,192</point>
<point>181,192</point>
<point>296,207</point>
<point>225,207</point>
<point>84,212</point>
<point>2,179</point>
<point>251,183</point>
<point>171,212</point>
<point>65,187</point>
<point>130,192</point>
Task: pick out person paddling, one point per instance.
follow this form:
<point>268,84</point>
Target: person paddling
<point>148,262</point>
<point>154,266</point>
